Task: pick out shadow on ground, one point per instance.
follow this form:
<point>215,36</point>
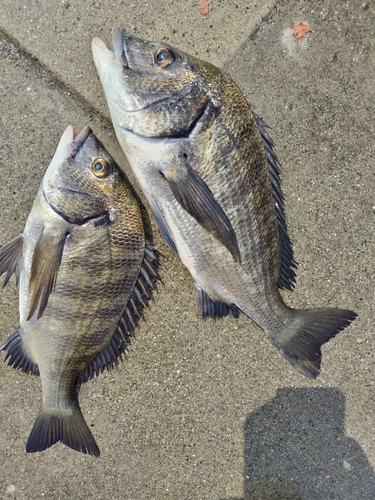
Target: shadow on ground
<point>296,448</point>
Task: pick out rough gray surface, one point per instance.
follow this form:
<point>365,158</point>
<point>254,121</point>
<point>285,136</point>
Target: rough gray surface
<point>204,410</point>
<point>59,32</point>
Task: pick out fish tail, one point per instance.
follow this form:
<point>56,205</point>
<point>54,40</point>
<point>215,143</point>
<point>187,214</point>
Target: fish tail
<point>301,342</point>
<point>67,426</point>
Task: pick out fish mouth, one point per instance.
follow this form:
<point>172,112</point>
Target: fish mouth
<point>120,58</point>
<point>118,54</point>
<point>145,107</point>
<point>71,142</point>
<point>68,147</point>
<point>97,43</point>
<point>78,139</point>
<point>118,45</point>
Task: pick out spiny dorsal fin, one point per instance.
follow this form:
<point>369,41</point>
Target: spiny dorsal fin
<point>214,309</point>
<point>139,299</point>
<point>287,275</point>
<point>18,359</point>
<point>11,259</point>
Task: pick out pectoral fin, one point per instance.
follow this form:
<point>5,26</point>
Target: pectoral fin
<point>11,258</point>
<point>44,268</point>
<point>163,226</point>
<point>196,198</point>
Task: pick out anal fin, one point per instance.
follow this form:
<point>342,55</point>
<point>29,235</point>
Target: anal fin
<point>213,308</point>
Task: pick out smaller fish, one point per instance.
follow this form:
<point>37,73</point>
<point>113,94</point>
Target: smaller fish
<point>85,272</point>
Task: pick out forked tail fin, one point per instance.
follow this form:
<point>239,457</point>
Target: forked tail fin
<point>66,426</point>
<point>301,343</point>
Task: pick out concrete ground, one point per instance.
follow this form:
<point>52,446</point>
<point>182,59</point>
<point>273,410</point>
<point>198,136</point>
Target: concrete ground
<point>209,410</point>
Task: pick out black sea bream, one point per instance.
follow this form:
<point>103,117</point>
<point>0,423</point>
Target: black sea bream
<point>83,266</point>
<point>207,168</point>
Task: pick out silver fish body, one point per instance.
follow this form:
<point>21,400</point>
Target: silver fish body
<point>208,170</point>
<point>83,266</point>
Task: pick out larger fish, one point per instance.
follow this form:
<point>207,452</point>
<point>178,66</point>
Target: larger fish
<point>83,266</point>
<point>207,168</point>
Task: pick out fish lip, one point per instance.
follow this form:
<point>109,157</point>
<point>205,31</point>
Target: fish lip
<point>165,138</point>
<point>75,191</point>
<point>66,139</point>
<point>83,221</point>
<point>146,106</point>
<point>188,132</point>
<point>73,141</point>
<point>98,42</point>
<point>79,140</point>
<point>118,54</point>
<point>119,46</point>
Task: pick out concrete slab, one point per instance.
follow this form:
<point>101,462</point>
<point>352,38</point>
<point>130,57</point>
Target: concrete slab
<point>59,32</point>
<point>204,410</point>
<point>316,93</point>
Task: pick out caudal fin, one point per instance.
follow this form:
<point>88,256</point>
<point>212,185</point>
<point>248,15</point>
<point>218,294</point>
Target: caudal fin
<point>67,426</point>
<point>302,347</point>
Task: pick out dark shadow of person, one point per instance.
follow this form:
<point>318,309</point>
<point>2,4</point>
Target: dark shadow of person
<point>296,448</point>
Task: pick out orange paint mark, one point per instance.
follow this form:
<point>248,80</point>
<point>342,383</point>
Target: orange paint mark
<point>203,7</point>
<point>301,30</point>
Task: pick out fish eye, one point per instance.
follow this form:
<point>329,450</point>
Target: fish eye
<point>101,168</point>
<point>165,57</point>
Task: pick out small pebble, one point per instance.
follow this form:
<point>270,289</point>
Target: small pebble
<point>365,5</point>
<point>359,341</point>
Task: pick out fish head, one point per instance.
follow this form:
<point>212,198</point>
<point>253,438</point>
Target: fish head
<point>153,89</point>
<point>82,180</point>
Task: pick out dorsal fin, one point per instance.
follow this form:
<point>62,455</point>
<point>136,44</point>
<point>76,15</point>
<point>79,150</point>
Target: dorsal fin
<point>287,275</point>
<point>139,299</point>
<point>17,355</point>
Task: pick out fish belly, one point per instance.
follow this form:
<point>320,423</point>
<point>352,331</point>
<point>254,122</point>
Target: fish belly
<point>215,271</point>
